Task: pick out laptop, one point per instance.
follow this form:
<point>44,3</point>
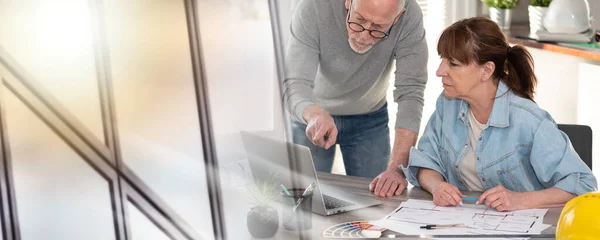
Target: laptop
<point>269,158</point>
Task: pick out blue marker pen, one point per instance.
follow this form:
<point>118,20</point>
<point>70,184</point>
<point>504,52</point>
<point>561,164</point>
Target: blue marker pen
<point>469,199</point>
<point>285,190</point>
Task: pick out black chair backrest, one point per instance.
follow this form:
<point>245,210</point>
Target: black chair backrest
<point>581,138</point>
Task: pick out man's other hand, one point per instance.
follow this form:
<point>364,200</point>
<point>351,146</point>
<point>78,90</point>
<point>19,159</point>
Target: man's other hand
<point>388,183</point>
<point>321,129</point>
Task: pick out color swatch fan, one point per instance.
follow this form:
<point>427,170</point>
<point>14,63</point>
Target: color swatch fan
<point>356,229</point>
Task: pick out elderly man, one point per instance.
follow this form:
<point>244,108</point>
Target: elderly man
<point>338,61</point>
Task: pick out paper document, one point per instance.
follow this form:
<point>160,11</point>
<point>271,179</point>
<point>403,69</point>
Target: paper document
<point>479,219</point>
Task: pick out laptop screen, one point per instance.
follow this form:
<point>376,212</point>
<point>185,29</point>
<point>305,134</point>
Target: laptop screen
<point>289,163</point>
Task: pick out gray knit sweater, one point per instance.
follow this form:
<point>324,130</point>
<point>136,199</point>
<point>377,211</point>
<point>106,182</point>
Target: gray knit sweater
<point>322,69</point>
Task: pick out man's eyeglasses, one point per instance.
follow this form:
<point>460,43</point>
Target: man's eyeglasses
<point>359,28</point>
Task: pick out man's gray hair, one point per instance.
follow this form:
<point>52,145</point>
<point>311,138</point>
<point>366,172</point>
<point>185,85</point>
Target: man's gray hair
<point>401,4</point>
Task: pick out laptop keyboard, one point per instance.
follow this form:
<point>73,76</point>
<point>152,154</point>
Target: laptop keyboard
<point>332,203</point>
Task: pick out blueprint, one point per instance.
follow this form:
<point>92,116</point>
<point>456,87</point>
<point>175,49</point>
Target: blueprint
<point>478,219</point>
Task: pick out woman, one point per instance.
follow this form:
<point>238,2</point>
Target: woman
<point>487,134</point>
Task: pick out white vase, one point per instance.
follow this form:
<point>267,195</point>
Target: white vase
<point>568,16</point>
<point>501,17</point>
<point>536,17</point>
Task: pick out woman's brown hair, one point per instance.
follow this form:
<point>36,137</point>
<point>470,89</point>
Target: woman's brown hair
<point>479,40</point>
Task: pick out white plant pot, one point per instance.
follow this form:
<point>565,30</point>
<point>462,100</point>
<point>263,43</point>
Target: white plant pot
<point>536,18</point>
<point>502,17</point>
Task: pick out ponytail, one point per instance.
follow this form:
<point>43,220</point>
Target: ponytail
<point>520,76</point>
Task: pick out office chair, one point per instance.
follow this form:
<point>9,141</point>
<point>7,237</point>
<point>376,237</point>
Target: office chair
<point>581,138</point>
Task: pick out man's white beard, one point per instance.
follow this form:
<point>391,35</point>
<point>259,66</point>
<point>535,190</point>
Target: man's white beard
<point>356,48</point>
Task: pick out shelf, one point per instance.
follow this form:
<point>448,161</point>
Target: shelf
<point>523,30</point>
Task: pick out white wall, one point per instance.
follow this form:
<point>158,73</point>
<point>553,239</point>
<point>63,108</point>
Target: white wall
<point>588,113</point>
<point>568,89</point>
<point>557,84</point>
<point>239,63</point>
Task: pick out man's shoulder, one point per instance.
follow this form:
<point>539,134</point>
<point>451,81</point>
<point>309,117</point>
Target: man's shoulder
<point>318,10</point>
<point>410,27</point>
<point>413,12</point>
<point>311,5</point>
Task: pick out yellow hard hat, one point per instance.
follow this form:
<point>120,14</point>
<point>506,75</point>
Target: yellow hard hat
<point>580,218</point>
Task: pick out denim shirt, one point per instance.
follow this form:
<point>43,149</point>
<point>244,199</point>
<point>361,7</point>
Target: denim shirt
<point>520,148</point>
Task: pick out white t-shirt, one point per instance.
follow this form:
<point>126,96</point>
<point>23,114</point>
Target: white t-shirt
<point>468,164</point>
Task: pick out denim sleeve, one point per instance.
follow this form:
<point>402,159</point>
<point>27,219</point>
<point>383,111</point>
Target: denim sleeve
<point>556,164</point>
<point>427,154</point>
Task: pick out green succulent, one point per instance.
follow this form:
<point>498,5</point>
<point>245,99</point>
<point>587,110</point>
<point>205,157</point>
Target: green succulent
<point>540,3</point>
<point>501,4</point>
<point>262,193</point>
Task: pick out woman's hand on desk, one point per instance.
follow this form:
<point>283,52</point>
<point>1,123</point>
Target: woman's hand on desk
<point>502,199</point>
<point>447,194</point>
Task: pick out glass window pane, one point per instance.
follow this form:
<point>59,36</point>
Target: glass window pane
<point>53,41</point>
<point>141,227</point>
<point>243,90</point>
<point>58,194</point>
<point>157,115</point>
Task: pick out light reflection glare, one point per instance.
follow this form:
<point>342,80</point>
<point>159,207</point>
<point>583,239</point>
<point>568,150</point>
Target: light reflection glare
<point>64,27</point>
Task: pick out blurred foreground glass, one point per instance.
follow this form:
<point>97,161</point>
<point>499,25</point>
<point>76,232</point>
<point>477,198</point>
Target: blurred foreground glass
<point>243,92</point>
<point>156,110</point>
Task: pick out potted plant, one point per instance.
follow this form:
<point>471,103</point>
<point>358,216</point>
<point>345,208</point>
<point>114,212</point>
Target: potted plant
<point>262,219</point>
<point>537,12</point>
<point>501,11</point>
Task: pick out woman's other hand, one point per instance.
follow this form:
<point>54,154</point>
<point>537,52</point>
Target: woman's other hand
<point>447,194</point>
<point>502,199</point>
